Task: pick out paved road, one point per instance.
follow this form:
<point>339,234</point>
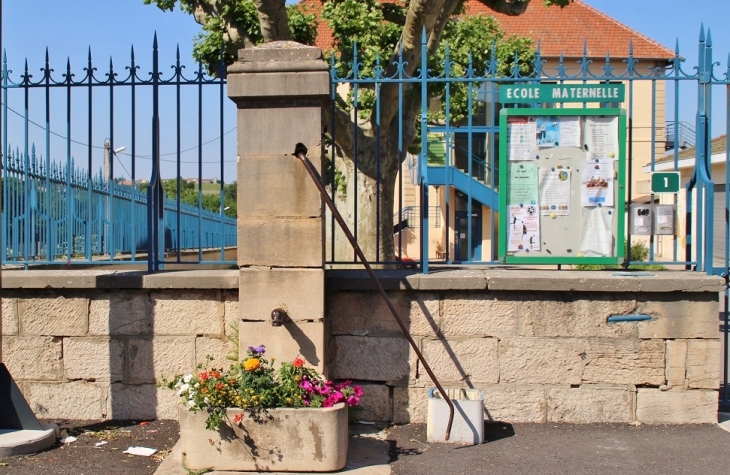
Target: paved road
<point>523,449</point>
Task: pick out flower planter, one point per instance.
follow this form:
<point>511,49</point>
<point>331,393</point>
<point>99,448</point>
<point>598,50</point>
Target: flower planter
<point>292,440</point>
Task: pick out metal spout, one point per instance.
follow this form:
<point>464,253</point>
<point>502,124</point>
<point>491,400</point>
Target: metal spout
<point>278,316</point>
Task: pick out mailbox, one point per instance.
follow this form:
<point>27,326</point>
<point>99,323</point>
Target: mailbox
<point>640,220</point>
<point>664,220</point>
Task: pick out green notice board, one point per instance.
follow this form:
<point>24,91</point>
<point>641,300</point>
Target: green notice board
<point>562,186</point>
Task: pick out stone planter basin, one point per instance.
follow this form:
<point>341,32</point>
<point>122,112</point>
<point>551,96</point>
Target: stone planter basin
<point>293,440</point>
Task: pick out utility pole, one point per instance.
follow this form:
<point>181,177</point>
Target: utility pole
<point>107,161</point>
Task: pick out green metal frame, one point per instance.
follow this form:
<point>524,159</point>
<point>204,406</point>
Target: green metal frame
<point>620,194</point>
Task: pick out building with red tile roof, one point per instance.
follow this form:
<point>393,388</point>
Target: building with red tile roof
<point>558,30</point>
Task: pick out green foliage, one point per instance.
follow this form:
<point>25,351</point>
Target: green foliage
<point>210,45</point>
<point>189,194</point>
<point>339,177</point>
<point>639,251</point>
<point>475,42</point>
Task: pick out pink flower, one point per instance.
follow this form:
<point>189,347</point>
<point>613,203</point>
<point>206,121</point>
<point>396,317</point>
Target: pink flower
<point>343,385</point>
<point>353,401</point>
<point>357,391</point>
<point>307,386</point>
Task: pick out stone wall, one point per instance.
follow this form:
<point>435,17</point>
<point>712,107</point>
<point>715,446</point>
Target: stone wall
<point>92,344</point>
<point>537,343</point>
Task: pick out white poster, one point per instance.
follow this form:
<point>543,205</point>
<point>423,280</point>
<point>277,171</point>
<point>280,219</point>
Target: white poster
<point>569,131</point>
<point>554,192</point>
<point>601,137</point>
<point>521,138</point>
<point>524,228</point>
<point>597,183</point>
<point>597,238</point>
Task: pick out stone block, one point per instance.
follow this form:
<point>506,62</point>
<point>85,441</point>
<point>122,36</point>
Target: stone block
<point>479,314</point>
<point>163,357</point>
<point>676,370</point>
<point>704,363</point>
<point>231,313</point>
<point>555,315</point>
<point>375,403</point>
<point>99,359</point>
<point>217,348</point>
<point>284,343</point>
<point>277,85</point>
<point>676,406</point>
<point>369,358</point>
<point>9,317</point>
<point>133,401</point>
<point>168,404</point>
<point>53,315</point>
<point>300,292</point>
<point>540,361</point>
<point>472,360</point>
<point>366,313</point>
<point>286,242</point>
<point>585,405</point>
<point>187,313</point>
<point>296,124</point>
<point>37,358</point>
<point>683,316</point>
<point>120,313</point>
<point>75,400</point>
<point>624,362</point>
<point>513,403</point>
<point>410,405</point>
<point>276,185</point>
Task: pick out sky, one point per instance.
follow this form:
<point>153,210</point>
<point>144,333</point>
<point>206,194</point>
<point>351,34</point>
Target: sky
<point>69,27</point>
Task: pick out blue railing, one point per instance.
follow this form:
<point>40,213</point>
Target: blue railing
<point>53,215</point>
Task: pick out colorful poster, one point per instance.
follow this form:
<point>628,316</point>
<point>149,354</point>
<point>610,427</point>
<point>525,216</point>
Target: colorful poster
<point>597,183</point>
<point>523,188</point>
<point>521,138</point>
<point>524,228</point>
<point>555,131</point>
<point>554,196</point>
<point>597,238</point>
<point>601,137</point>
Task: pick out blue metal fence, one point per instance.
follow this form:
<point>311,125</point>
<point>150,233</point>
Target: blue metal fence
<point>56,211</point>
<point>44,206</point>
<point>467,157</point>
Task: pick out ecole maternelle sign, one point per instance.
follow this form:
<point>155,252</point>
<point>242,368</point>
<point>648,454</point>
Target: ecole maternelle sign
<point>531,93</point>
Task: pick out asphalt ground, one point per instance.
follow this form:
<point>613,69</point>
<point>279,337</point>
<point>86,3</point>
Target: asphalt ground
<point>530,449</point>
<point>518,449</point>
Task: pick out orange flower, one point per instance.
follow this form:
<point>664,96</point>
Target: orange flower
<point>252,364</point>
<point>215,374</point>
<point>203,390</point>
<point>204,376</point>
<point>237,418</point>
<point>298,362</point>
<point>219,386</point>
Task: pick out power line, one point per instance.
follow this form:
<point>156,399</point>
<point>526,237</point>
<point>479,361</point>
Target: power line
<point>145,157</point>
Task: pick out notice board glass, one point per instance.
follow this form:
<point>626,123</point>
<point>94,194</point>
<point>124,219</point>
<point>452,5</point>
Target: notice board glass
<point>562,186</point>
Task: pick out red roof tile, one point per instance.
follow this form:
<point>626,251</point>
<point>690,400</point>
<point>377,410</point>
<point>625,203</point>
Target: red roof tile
<point>558,30</point>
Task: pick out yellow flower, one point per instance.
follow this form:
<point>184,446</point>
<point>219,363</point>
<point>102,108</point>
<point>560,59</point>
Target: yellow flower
<point>252,364</point>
